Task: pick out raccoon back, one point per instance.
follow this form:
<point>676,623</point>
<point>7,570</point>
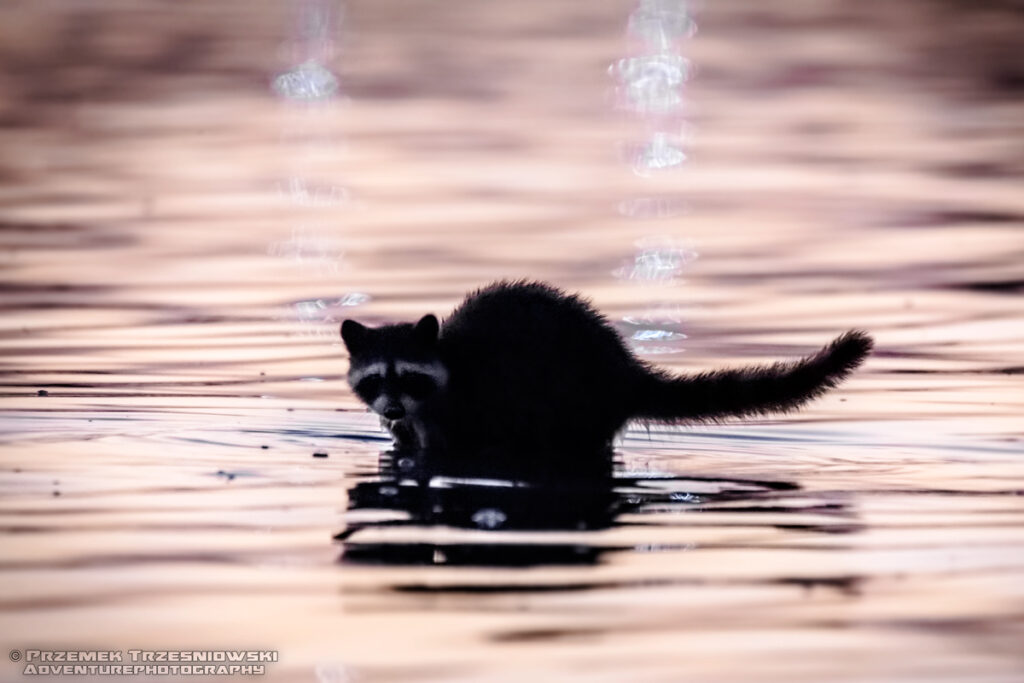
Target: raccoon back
<point>527,359</point>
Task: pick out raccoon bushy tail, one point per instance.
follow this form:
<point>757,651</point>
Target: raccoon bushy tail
<point>752,391</point>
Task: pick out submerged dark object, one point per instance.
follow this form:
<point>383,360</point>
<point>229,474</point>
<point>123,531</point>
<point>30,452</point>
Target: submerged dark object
<point>522,375</point>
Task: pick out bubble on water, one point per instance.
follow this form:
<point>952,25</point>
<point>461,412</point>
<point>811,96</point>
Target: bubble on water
<point>310,81</point>
<point>662,152</point>
<point>489,518</point>
<point>657,259</point>
<point>310,310</point>
<point>660,22</point>
<point>657,330</point>
<point>657,341</point>
<point>656,350</point>
<point>353,299</point>
<point>652,83</point>
<point>657,335</point>
<point>319,318</point>
<point>322,310</point>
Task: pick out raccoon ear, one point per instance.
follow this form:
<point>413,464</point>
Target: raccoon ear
<point>353,334</point>
<point>426,330</point>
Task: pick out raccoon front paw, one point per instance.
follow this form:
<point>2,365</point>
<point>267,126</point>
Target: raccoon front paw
<point>403,434</point>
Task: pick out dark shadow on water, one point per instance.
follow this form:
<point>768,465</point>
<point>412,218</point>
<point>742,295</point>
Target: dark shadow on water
<point>505,521</point>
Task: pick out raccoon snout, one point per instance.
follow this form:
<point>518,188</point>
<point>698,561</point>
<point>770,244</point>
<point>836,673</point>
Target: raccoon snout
<point>394,412</point>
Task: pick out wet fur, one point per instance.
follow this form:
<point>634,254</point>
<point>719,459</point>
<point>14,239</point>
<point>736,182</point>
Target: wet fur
<point>537,375</point>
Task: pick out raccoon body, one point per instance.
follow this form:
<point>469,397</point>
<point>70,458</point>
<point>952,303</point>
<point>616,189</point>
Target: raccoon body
<point>523,372</point>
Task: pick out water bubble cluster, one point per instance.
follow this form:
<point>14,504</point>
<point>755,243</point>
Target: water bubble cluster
<point>310,47</point>
<point>657,260</point>
<point>666,313</point>
<point>652,87</point>
<point>657,330</point>
<point>657,341</point>
<point>319,318</point>
<point>657,335</point>
<point>310,94</point>
<point>309,81</point>
<point>663,151</point>
<point>660,23</point>
<point>652,82</point>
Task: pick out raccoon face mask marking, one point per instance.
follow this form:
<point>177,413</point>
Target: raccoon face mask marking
<point>394,369</point>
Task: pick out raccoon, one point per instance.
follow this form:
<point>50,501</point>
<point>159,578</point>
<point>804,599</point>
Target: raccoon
<point>522,372</point>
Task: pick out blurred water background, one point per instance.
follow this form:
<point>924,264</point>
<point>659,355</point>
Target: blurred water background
<point>192,196</point>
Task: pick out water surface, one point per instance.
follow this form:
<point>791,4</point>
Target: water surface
<point>180,241</point>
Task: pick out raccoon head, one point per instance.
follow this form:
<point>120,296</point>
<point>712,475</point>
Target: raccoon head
<point>394,369</point>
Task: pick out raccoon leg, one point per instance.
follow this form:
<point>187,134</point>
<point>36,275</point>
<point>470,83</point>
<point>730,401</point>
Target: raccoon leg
<point>403,433</point>
<point>429,435</point>
<point>414,434</point>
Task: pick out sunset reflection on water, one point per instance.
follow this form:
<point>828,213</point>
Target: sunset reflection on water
<point>194,198</point>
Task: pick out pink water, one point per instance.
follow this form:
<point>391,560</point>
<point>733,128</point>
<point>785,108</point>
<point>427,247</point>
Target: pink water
<point>178,245</point>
